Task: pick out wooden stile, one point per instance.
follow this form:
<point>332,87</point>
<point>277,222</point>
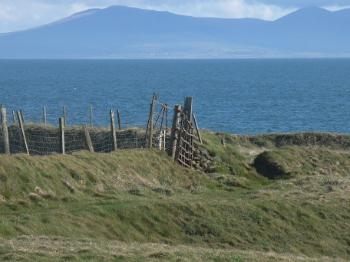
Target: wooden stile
<point>182,135</point>
<point>5,132</point>
<point>113,131</point>
<point>62,137</point>
<point>21,126</point>
<point>88,139</point>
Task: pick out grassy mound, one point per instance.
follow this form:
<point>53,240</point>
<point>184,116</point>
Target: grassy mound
<point>138,205</point>
<point>301,161</point>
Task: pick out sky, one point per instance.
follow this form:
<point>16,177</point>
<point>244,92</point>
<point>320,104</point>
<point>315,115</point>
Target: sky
<point>23,14</point>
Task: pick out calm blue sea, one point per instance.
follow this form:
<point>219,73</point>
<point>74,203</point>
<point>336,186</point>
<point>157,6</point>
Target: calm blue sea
<point>240,96</point>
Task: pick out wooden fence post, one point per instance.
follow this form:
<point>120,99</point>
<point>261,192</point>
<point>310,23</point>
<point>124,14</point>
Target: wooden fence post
<point>5,131</point>
<point>113,131</point>
<point>91,117</point>
<point>21,113</point>
<point>44,116</point>
<point>188,104</point>
<point>175,132</point>
<point>197,129</point>
<point>88,139</point>
<point>14,117</point>
<point>62,138</point>
<point>150,123</point>
<point>65,115</point>
<point>119,120</point>
<point>21,126</point>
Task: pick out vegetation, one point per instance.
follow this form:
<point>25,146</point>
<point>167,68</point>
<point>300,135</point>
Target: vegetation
<point>137,205</point>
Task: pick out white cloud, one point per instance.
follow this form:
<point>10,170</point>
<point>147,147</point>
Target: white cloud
<point>228,9</point>
<point>23,14</point>
<point>336,7</point>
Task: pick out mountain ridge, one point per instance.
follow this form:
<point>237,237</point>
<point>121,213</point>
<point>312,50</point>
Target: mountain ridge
<point>124,32</point>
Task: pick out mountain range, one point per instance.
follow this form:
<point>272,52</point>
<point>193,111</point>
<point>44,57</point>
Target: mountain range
<point>124,32</point>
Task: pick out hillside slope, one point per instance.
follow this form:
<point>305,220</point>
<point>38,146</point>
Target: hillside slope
<point>123,32</point>
<point>137,204</point>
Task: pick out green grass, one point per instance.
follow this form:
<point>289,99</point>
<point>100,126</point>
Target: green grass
<point>137,205</point>
<point>62,249</point>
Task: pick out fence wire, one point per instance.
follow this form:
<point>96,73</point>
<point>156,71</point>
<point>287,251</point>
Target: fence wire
<point>43,135</point>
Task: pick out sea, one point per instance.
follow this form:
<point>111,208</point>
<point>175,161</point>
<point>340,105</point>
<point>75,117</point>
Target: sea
<point>245,96</point>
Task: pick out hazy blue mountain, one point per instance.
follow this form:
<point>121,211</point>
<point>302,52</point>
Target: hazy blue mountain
<point>123,32</point>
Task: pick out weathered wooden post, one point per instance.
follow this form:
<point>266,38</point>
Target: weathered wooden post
<point>150,123</point>
<point>65,115</point>
<point>197,129</point>
<point>44,116</point>
<point>166,117</point>
<point>91,117</point>
<point>119,120</point>
<point>5,131</point>
<point>62,138</point>
<point>14,117</point>
<point>88,139</point>
<point>188,105</point>
<point>21,126</point>
<point>21,113</point>
<point>175,132</point>
<point>113,131</point>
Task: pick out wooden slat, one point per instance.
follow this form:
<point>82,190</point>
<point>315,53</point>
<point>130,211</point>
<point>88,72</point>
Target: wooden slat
<point>184,163</point>
<point>174,131</point>
<point>197,129</point>
<point>21,126</point>
<point>88,139</point>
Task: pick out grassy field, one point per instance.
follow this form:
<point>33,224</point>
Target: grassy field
<point>266,198</point>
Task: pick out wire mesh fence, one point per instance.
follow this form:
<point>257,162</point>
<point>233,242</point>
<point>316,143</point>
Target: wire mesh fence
<point>42,135</point>
<point>43,140</point>
<point>68,132</point>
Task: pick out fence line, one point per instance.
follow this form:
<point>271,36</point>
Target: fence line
<point>45,138</point>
